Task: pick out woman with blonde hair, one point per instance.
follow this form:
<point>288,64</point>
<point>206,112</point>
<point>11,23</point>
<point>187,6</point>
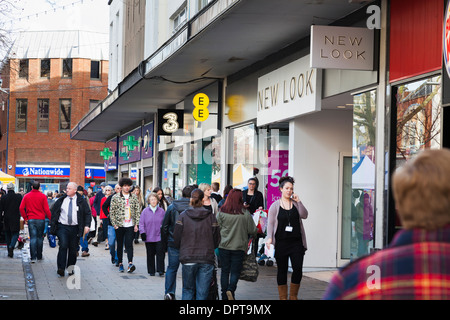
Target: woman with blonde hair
<point>209,202</point>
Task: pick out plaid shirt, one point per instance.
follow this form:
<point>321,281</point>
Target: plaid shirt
<point>416,266</point>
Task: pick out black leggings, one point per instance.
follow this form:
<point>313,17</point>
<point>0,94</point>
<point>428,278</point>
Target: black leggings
<point>125,235</point>
<point>282,258</point>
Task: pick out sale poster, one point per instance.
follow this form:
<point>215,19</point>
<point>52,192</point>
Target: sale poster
<point>277,168</point>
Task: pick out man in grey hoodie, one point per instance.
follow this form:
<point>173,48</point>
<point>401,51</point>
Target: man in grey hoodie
<point>168,224</point>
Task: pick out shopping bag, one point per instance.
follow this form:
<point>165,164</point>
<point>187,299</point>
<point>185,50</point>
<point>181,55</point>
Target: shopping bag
<point>249,271</point>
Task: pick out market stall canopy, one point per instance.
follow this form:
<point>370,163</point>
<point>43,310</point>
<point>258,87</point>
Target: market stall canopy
<point>363,174</point>
<point>6,178</point>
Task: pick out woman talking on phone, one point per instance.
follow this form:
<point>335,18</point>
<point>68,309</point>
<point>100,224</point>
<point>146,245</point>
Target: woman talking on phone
<point>285,231</point>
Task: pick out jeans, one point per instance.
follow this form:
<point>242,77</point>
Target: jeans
<point>196,280</point>
<point>155,250</point>
<point>68,246</point>
<point>125,235</point>
<point>84,243</point>
<point>173,255</point>
<point>36,229</point>
<point>11,238</point>
<point>112,242</point>
<point>231,261</point>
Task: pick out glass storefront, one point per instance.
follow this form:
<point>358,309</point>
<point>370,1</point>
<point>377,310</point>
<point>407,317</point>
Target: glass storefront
<point>358,181</point>
<point>418,120</point>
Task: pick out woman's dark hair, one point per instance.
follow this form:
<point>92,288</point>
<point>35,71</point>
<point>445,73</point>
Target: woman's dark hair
<point>163,198</point>
<point>283,181</point>
<point>234,203</point>
<point>125,181</point>
<point>227,189</point>
<point>256,182</point>
<point>197,198</point>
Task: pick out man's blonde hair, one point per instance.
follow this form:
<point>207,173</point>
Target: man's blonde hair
<point>421,190</point>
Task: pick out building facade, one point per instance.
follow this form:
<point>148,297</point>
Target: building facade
<point>277,106</point>
<point>54,79</point>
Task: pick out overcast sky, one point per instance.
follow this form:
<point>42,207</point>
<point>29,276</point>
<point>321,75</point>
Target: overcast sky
<point>38,15</point>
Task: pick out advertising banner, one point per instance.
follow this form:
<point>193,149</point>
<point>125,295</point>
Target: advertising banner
<point>277,168</point>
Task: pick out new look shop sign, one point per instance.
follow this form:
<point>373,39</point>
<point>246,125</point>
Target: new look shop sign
<point>342,48</point>
<point>288,92</point>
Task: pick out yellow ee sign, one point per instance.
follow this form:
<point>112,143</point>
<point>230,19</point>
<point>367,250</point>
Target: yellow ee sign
<point>201,102</point>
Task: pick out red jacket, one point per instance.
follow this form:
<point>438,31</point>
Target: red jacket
<point>34,206</point>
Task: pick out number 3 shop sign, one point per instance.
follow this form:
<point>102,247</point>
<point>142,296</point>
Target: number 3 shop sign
<point>288,92</point>
<point>170,122</point>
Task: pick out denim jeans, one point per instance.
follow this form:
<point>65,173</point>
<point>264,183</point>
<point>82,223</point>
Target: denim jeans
<point>68,246</point>
<point>173,255</point>
<point>11,238</point>
<point>112,241</point>
<point>84,243</point>
<point>36,230</point>
<point>231,261</point>
<point>196,280</point>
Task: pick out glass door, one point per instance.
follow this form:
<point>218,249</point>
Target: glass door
<point>346,227</point>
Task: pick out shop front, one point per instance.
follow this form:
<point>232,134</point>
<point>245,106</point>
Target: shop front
<point>318,126</point>
<point>52,178</point>
<point>191,154</point>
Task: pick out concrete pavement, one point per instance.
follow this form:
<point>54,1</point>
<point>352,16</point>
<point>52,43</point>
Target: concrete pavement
<point>100,280</point>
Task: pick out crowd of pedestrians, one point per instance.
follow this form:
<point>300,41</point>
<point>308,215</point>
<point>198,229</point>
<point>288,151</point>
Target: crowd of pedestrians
<point>203,231</point>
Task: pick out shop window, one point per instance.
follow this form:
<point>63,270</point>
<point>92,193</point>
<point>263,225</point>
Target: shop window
<point>360,226</point>
<point>21,115</point>
<point>65,106</point>
<point>417,127</point>
<point>45,68</point>
<point>43,115</point>
<point>243,154</point>
<point>67,68</point>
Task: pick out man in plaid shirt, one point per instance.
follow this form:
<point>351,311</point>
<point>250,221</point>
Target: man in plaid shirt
<point>416,265</point>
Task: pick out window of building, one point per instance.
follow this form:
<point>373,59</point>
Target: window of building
<point>180,19</point>
<point>203,3</point>
<point>45,68</point>
<point>95,69</point>
<point>23,68</point>
<point>43,115</point>
<point>21,114</point>
<point>67,68</point>
<point>65,107</point>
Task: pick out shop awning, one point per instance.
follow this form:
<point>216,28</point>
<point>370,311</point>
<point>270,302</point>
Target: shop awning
<point>6,178</point>
<point>225,38</point>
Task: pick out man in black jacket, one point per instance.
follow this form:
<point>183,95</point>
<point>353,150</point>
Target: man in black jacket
<point>71,218</point>
<point>9,208</point>
<point>168,224</point>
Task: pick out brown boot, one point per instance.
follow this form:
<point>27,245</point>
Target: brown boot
<point>294,291</point>
<point>283,291</point>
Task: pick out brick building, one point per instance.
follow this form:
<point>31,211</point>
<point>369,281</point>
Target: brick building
<point>53,78</point>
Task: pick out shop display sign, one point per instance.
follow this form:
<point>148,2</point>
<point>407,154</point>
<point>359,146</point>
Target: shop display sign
<point>147,133</point>
<point>48,172</point>
<point>447,39</point>
<point>94,173</point>
<point>170,122</point>
<point>201,102</point>
<point>288,92</point>
<point>277,168</point>
<point>130,147</point>
<point>109,154</point>
<point>342,48</point>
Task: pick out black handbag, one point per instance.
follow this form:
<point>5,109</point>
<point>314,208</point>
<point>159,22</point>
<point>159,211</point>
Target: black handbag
<point>250,269</point>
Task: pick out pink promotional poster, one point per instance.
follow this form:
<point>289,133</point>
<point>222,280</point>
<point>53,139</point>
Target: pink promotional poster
<point>277,168</point>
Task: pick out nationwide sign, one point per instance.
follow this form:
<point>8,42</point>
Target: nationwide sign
<point>52,172</point>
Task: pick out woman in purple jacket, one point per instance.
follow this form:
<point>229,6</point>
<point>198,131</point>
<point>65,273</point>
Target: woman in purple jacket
<point>150,229</point>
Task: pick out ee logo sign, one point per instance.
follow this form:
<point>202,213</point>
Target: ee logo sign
<point>201,102</point>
